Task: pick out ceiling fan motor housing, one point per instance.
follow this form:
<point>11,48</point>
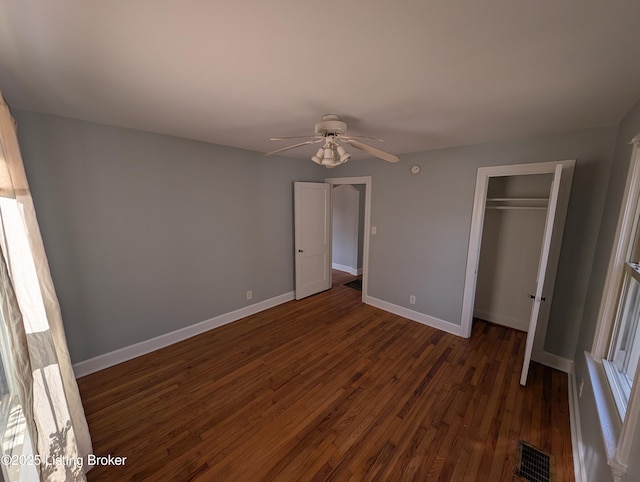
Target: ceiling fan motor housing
<point>330,125</point>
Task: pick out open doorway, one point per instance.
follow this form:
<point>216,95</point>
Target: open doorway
<point>347,210</point>
<point>351,213</point>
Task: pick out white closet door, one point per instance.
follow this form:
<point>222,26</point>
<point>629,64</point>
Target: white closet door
<point>542,270</point>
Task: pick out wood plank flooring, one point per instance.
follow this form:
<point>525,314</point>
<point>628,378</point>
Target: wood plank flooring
<point>327,388</point>
<point>342,277</point>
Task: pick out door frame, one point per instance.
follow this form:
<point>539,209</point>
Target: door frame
<point>477,224</point>
<point>366,180</point>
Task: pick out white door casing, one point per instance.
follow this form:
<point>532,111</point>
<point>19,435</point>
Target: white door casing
<point>312,226</point>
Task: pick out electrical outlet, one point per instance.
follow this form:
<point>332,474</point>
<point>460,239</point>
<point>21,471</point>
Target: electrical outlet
<point>581,387</point>
<point>412,299</point>
<point>249,295</point>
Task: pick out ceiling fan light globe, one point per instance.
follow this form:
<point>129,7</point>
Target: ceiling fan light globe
<point>329,160</point>
<point>318,156</point>
<point>343,155</point>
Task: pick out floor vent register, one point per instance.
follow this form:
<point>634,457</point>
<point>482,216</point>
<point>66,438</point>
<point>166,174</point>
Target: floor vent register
<point>534,465</point>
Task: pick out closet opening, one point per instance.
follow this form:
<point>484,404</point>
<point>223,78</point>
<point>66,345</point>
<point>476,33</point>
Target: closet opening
<point>514,246</point>
<point>514,220</point>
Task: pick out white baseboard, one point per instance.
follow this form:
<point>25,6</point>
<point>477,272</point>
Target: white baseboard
<point>133,351</point>
<point>576,432</point>
<point>554,361</point>
<point>522,325</point>
<point>415,316</point>
<point>347,269</point>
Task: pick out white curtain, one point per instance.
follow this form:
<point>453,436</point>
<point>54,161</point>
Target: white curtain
<point>46,385</point>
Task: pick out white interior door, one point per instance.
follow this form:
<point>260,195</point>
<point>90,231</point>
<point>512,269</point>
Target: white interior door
<point>542,271</point>
<point>312,213</point>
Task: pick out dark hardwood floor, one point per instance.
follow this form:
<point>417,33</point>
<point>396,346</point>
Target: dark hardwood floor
<point>327,388</point>
<point>342,277</point>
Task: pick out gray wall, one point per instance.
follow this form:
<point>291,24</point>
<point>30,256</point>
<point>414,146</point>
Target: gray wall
<point>130,219</point>
<point>147,234</point>
<point>597,468</point>
<point>423,224</point>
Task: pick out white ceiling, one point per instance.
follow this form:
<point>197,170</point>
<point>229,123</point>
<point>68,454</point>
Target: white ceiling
<point>422,74</point>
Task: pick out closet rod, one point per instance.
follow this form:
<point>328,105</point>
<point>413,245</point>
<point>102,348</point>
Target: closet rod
<point>516,207</point>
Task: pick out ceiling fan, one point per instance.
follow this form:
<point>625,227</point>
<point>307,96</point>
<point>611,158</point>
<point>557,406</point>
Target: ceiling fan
<point>331,131</point>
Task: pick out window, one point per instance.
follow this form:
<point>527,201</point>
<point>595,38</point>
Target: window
<point>15,442</point>
<point>39,397</point>
<point>621,362</point>
<point>615,355</point>
<point>12,421</point>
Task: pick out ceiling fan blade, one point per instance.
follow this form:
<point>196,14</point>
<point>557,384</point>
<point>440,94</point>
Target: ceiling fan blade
<point>289,147</point>
<point>372,150</point>
<point>345,137</point>
<point>293,137</point>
